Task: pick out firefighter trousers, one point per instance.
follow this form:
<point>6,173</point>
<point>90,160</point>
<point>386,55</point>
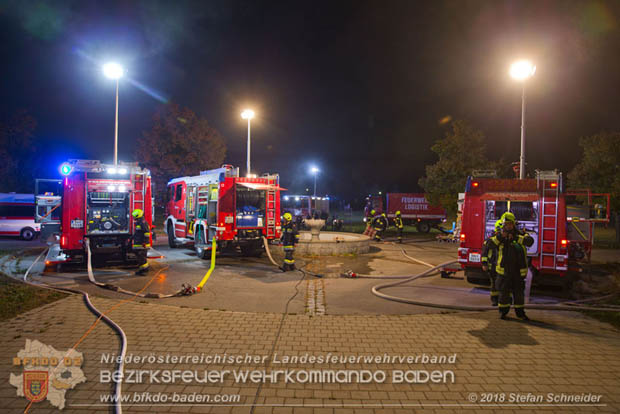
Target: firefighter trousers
<point>494,289</point>
<point>511,284</point>
<point>399,232</point>
<point>378,234</point>
<point>143,268</point>
<point>289,261</point>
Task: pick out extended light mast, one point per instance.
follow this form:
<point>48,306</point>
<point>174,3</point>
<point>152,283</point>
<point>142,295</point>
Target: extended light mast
<point>248,114</point>
<point>114,71</point>
<point>522,70</point>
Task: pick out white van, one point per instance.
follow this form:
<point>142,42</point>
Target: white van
<point>17,216</point>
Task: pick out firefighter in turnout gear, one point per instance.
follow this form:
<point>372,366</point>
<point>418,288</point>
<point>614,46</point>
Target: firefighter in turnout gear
<point>369,220</point>
<point>398,223</point>
<point>512,265</point>
<point>141,238</point>
<point>379,224</point>
<point>290,237</point>
<point>489,261</point>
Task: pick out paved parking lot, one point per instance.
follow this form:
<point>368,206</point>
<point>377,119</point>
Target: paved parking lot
<point>241,313</point>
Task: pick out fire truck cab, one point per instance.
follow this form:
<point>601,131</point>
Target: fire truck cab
<point>560,221</point>
<point>96,204</point>
<point>236,211</point>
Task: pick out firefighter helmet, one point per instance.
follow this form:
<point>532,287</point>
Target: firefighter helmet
<point>287,216</point>
<point>508,216</point>
<point>372,212</point>
<point>498,225</point>
<point>137,213</point>
<point>398,213</point>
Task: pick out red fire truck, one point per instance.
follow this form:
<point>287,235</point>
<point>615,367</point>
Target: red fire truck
<point>415,209</point>
<point>560,221</point>
<point>236,211</point>
<point>96,203</point>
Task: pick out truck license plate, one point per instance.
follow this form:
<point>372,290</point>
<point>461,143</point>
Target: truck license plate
<point>77,224</point>
<point>474,257</point>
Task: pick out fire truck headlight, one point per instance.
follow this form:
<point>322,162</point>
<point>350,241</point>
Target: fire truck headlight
<point>121,188</point>
<point>122,170</point>
<point>65,169</point>
<point>286,198</point>
<point>112,170</point>
<point>111,188</point>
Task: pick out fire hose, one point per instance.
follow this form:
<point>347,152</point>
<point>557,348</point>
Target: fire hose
<point>91,277</point>
<point>561,306</point>
<point>266,243</point>
<point>100,316</point>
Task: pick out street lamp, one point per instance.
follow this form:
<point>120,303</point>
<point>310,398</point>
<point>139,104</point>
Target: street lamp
<point>521,71</point>
<point>314,171</point>
<point>114,71</point>
<point>248,114</point>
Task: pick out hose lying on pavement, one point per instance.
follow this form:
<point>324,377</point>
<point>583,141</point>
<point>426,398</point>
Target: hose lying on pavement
<point>91,278</point>
<point>118,409</point>
<point>266,243</point>
<point>562,306</point>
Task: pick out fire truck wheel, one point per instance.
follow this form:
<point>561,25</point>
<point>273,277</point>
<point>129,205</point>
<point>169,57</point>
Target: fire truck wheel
<point>423,227</point>
<point>171,242</point>
<point>27,233</point>
<point>201,252</point>
<point>477,277</point>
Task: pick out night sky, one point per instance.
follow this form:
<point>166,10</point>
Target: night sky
<point>355,87</point>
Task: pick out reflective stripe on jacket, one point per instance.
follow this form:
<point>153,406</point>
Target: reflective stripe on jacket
<point>489,252</point>
<point>398,222</point>
<point>290,235</point>
<point>521,250</point>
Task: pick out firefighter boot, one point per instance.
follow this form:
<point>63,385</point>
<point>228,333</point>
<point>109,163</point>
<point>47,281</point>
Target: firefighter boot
<point>494,300</point>
<point>521,313</point>
<point>503,310</point>
<point>142,269</point>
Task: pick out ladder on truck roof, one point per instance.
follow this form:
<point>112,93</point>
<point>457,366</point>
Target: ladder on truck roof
<point>138,196</point>
<point>549,212</point>
<point>273,181</point>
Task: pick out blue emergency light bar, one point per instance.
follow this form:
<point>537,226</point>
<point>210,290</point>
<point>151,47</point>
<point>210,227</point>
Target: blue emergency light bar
<point>65,169</point>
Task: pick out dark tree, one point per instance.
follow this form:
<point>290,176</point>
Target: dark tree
<point>179,143</point>
<point>460,152</point>
<point>599,168</point>
<point>17,153</point>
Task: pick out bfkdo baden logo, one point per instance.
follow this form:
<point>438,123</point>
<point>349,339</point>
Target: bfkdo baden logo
<point>46,373</point>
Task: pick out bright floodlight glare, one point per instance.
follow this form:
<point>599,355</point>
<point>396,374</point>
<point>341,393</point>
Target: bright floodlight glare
<point>65,169</point>
<point>522,69</point>
<point>113,70</point>
<point>122,170</point>
<point>314,170</point>
<point>112,170</point>
<point>247,114</point>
